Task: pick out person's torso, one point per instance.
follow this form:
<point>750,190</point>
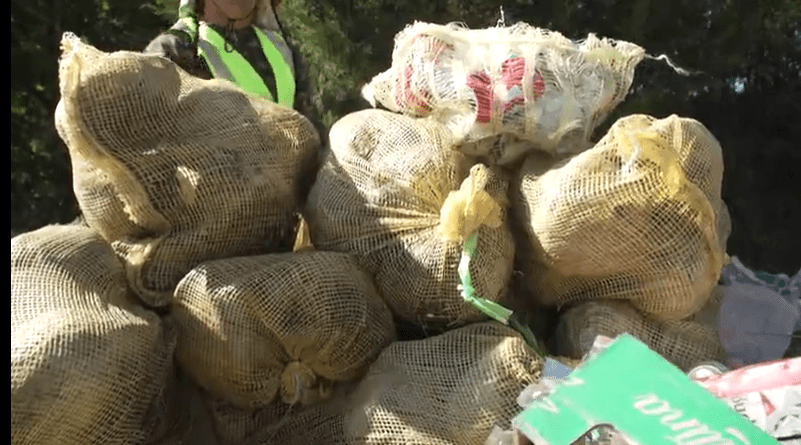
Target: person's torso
<point>258,61</point>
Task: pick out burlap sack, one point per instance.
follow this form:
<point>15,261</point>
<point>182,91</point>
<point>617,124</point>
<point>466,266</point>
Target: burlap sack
<point>234,426</point>
<point>449,389</point>
<point>683,343</point>
<point>202,419</point>
<point>520,80</point>
<point>88,366</point>
<point>393,192</point>
<point>184,417</point>
<point>638,217</point>
<point>446,390</point>
<point>173,170</point>
<point>250,328</point>
<point>279,423</point>
<point>198,418</point>
<point>319,424</point>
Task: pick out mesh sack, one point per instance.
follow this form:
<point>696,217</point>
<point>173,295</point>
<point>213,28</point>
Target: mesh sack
<point>233,425</point>
<point>394,193</point>
<point>279,423</point>
<point>88,366</point>
<point>198,418</point>
<point>173,170</point>
<point>319,424</point>
<point>185,417</point>
<point>683,343</point>
<point>450,389</point>
<point>638,217</point>
<point>250,328</point>
<point>521,80</point>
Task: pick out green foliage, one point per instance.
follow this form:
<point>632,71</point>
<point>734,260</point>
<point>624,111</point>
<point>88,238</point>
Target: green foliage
<point>748,93</point>
<point>334,59</point>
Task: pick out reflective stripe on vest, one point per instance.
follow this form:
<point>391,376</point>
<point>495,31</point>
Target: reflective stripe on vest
<point>232,66</point>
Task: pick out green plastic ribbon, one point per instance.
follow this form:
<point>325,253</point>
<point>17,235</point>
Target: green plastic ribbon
<point>494,310</point>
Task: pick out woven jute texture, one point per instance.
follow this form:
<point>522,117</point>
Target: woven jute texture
<point>173,170</point>
<point>637,217</point>
<point>445,390</point>
<point>395,193</point>
<point>449,389</point>
<point>251,329</point>
<point>88,365</point>
<point>683,343</point>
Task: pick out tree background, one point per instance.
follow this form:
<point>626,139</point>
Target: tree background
<point>748,92</point>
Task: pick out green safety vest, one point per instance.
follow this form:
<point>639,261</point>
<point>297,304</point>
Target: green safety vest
<point>233,67</point>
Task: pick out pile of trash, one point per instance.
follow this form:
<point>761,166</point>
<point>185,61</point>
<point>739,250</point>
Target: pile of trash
<point>191,308</point>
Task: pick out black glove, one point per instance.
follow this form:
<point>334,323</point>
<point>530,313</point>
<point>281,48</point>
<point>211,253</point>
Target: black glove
<point>176,47</point>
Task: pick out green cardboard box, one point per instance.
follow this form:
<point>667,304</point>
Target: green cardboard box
<point>641,395</point>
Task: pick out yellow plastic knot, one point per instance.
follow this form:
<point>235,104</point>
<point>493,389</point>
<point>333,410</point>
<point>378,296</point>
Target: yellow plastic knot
<point>470,207</point>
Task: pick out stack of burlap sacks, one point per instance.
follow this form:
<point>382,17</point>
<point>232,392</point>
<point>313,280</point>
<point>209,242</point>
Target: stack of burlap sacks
<point>492,128</point>
<point>191,192</point>
<point>179,312</point>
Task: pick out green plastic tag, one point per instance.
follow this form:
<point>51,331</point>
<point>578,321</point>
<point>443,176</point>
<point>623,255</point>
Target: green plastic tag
<point>496,311</point>
<point>491,308</point>
<point>643,396</point>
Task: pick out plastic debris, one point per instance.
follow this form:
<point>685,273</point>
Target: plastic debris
<point>767,394</point>
<point>656,405</point>
<point>758,314</point>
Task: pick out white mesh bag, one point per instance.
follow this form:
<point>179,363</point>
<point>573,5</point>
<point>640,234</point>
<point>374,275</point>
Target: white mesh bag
<point>529,82</point>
